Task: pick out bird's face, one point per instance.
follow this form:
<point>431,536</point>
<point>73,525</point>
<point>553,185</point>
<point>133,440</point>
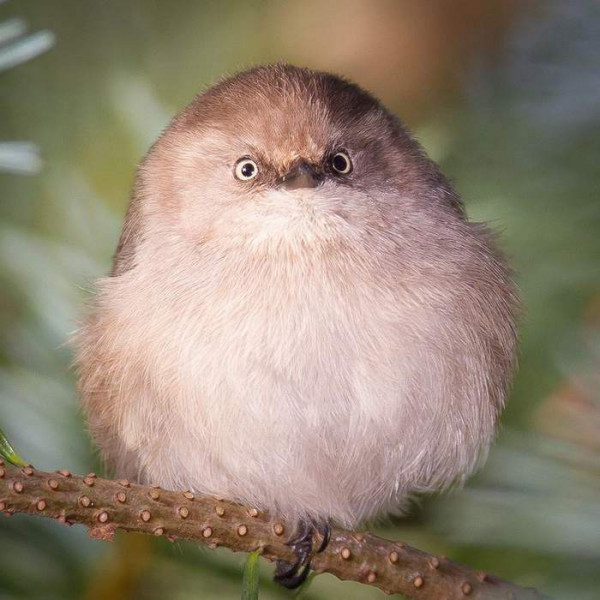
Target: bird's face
<point>267,162</point>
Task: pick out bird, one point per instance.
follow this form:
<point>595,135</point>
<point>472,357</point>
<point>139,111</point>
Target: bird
<point>300,317</point>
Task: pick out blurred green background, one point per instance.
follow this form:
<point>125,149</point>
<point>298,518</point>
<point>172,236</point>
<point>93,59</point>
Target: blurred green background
<point>505,94</point>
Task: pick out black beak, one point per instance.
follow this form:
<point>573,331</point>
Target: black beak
<point>302,175</point>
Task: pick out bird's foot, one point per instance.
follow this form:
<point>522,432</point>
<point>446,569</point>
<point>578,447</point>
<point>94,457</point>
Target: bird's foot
<point>292,575</point>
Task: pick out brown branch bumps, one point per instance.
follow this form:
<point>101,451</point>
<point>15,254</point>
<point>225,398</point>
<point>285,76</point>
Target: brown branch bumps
<point>104,506</point>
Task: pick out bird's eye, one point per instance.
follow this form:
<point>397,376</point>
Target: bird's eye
<point>246,169</point>
<point>341,163</point>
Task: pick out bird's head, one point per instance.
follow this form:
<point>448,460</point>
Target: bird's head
<point>283,156</point>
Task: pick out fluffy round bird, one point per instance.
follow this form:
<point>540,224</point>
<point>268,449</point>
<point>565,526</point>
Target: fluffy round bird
<point>299,317</point>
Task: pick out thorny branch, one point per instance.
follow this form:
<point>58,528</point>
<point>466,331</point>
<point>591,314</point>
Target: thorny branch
<point>105,506</point>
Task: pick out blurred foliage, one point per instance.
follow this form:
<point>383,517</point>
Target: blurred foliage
<point>505,95</point>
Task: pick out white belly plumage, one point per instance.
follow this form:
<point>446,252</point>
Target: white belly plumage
<point>308,403</point>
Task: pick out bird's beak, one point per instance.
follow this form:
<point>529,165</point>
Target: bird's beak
<point>301,175</point>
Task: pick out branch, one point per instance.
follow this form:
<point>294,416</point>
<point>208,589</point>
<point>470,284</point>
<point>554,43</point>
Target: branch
<point>105,506</point>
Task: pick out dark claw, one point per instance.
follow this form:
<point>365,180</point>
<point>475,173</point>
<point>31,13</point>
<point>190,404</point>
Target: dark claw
<point>293,575</point>
<point>284,570</point>
<point>325,530</point>
<point>294,579</point>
